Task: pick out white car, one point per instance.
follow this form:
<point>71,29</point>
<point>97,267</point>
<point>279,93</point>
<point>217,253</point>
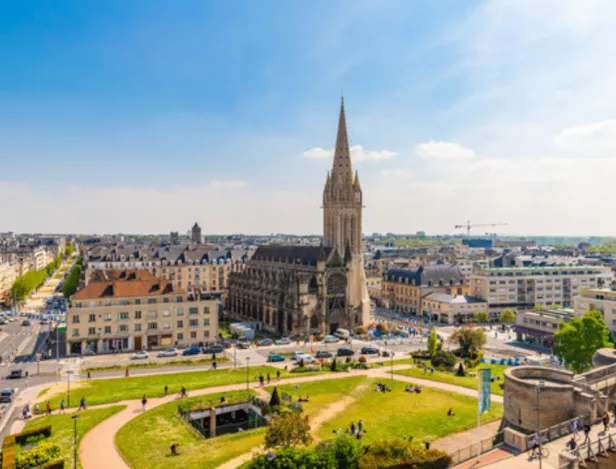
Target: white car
<point>168,352</point>
<point>283,341</point>
<point>306,358</point>
<point>141,354</point>
<point>330,339</point>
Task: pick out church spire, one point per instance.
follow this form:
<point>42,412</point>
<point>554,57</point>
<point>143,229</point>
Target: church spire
<point>342,170</point>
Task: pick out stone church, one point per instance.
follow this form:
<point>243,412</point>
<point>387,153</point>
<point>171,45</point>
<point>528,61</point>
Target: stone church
<point>305,289</point>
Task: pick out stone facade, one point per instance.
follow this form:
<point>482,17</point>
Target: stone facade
<point>304,289</point>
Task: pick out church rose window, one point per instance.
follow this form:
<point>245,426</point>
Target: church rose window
<point>336,285</point>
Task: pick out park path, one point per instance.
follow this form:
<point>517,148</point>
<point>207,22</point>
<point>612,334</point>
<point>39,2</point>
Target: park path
<point>98,449</point>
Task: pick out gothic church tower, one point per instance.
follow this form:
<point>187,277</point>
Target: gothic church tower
<point>342,217</point>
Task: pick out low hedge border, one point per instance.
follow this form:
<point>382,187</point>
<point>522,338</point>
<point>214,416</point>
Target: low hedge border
<point>9,448</point>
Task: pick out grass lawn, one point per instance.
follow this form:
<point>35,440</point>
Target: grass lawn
<point>62,428</point>
<point>320,393</point>
<point>401,414</point>
<point>464,381</point>
<point>103,391</point>
<point>178,362</point>
<point>145,441</point>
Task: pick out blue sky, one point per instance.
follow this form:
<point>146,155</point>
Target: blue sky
<point>146,116</point>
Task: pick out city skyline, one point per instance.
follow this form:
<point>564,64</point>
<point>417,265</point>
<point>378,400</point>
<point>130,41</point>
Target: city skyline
<point>143,119</point>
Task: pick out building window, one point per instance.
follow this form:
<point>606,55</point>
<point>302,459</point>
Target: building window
<point>137,301</point>
<point>75,332</point>
<point>152,325</point>
<point>151,300</point>
<point>123,328</point>
<point>206,322</point>
<point>92,331</point>
<point>151,314</point>
<point>206,310</point>
<point>179,299</point>
<point>180,336</point>
<point>165,300</point>
<point>123,316</point>
<point>107,317</point>
<point>75,319</point>
<point>193,311</point>
<point>193,335</point>
<point>92,318</point>
<point>166,313</point>
<point>206,333</point>
<point>180,323</point>
<point>180,312</point>
<point>107,329</point>
<point>194,323</point>
<point>137,314</point>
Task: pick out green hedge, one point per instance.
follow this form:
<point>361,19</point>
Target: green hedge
<point>9,445</point>
<point>55,464</point>
<point>72,281</point>
<point>44,430</point>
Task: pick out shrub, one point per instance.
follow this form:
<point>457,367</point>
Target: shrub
<point>23,437</point>
<point>333,365</point>
<point>345,449</point>
<point>460,372</point>
<point>42,453</point>
<point>362,359</point>
<point>348,360</point>
<point>294,458</point>
<point>444,360</point>
<point>8,453</point>
<point>398,454</point>
<point>55,464</point>
<point>285,431</point>
<point>275,399</point>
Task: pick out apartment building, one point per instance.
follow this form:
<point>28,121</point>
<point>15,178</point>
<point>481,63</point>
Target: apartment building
<point>602,299</point>
<point>451,309</point>
<point>404,289</point>
<point>525,287</point>
<point>538,327</point>
<point>468,265</point>
<point>8,275</point>
<point>134,310</point>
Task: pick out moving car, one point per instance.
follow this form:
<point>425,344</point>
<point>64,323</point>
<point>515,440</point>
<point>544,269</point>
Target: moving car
<point>215,348</point>
<point>323,354</point>
<point>7,395</point>
<point>274,357</point>
<point>141,354</point>
<point>243,344</point>
<point>168,352</point>
<point>192,351</point>
<point>265,342</point>
<point>342,333</point>
<point>283,341</point>
<point>16,374</point>
<point>330,339</point>
<point>369,351</point>
<point>26,323</point>
<point>345,352</point>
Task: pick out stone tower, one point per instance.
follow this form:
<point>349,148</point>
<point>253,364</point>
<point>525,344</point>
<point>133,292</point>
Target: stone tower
<point>342,218</point>
<point>342,198</point>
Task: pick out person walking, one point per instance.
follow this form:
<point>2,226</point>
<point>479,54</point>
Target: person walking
<point>278,375</point>
<point>586,434</point>
<point>268,378</point>
<point>352,428</point>
<point>360,426</point>
<point>261,380</point>
<point>576,429</point>
<point>606,422</point>
<point>144,402</point>
<point>48,408</point>
<point>82,403</point>
<point>62,406</point>
<point>183,392</point>
<point>571,445</point>
<point>166,389</point>
<point>126,373</point>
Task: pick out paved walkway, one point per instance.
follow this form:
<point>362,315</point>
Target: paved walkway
<point>98,450</point>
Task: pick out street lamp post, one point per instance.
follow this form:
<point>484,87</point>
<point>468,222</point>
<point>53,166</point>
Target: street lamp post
<point>75,417</point>
<point>248,375</point>
<point>391,358</point>
<point>68,397</point>
<point>539,386</point>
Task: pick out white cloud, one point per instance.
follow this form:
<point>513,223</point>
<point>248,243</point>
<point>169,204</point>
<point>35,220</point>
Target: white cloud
<point>401,173</point>
<point>443,151</point>
<point>596,137</point>
<point>358,154</point>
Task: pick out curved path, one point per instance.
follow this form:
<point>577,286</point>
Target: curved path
<point>98,450</point>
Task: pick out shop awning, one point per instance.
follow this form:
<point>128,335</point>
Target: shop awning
<point>532,332</point>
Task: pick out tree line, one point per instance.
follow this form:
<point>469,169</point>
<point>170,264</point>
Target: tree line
<point>72,281</point>
<point>31,280</point>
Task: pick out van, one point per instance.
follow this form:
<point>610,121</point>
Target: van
<point>342,334</point>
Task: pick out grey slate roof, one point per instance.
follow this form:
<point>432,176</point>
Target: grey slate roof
<point>430,275</point>
<point>306,255</point>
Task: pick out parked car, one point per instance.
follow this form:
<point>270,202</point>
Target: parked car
<point>242,344</point>
<point>140,355</point>
<point>274,357</point>
<point>7,395</point>
<point>369,351</point>
<point>214,348</point>
<point>330,339</point>
<point>192,351</point>
<point>306,358</point>
<point>26,323</point>
<point>16,374</point>
<point>296,354</point>
<point>168,352</point>
<point>265,342</point>
<point>342,333</point>
<point>345,352</point>
<point>323,354</point>
<point>3,322</point>
<point>283,341</point>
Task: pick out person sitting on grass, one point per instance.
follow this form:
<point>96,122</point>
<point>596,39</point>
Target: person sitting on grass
<point>418,390</point>
<point>410,388</point>
<point>450,412</point>
<point>174,449</point>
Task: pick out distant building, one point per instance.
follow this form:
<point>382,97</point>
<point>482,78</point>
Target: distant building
<point>175,237</point>
<point>404,289</point>
<point>525,287</point>
<point>601,299</point>
<point>133,310</point>
<point>196,234</point>
<point>485,243</point>
<point>467,265</point>
<point>538,327</point>
<point>451,309</point>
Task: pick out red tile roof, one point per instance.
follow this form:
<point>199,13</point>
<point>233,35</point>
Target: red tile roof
<point>135,282</point>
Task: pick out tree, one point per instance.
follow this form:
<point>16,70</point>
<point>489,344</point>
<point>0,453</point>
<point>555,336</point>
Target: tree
<point>461,371</point>
<point>333,366</point>
<point>72,281</point>
<point>444,359</point>
<point>377,255</point>
<point>540,308</point>
<point>275,399</point>
<point>287,430</point>
<point>481,317</point>
<point>346,450</point>
<point>556,306</point>
<point>469,338</point>
<point>432,342</point>
<point>576,341</point>
<point>507,315</point>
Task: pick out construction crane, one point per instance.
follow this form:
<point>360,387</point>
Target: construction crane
<point>470,225</point>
